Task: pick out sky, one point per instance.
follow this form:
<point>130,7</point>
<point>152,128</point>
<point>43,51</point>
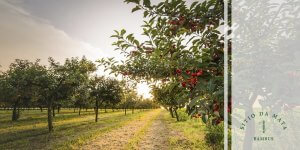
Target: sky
<point>33,29</point>
<point>38,29</point>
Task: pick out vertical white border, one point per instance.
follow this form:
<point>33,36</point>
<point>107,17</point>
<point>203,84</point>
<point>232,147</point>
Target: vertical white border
<point>225,75</point>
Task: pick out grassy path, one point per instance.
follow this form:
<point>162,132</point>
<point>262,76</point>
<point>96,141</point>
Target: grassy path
<point>161,133</point>
<point>121,138</point>
<point>154,130</point>
<point>165,133</point>
<point>156,136</point>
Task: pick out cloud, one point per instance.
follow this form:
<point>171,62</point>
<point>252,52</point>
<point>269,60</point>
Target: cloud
<point>25,36</point>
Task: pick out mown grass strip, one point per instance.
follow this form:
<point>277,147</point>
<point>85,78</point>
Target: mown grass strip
<point>133,142</point>
<point>89,136</point>
<point>35,117</point>
<point>16,132</point>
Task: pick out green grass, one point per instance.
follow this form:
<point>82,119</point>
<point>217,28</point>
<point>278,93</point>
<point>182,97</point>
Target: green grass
<point>192,129</point>
<point>70,129</point>
<point>133,142</point>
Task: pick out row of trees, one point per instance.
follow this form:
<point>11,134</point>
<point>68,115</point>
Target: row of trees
<point>72,84</point>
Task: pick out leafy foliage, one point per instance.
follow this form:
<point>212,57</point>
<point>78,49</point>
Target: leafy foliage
<point>106,90</point>
<point>184,46</point>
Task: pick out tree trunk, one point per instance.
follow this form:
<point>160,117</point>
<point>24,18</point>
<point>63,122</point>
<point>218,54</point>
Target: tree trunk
<point>132,111</point>
<point>53,112</point>
<point>18,113</point>
<point>171,112</point>
<point>58,109</point>
<point>14,114</point>
<point>125,111</point>
<point>41,108</point>
<point>177,117</point>
<point>79,110</point>
<point>96,111</point>
<point>50,125</point>
<point>105,109</point>
<point>85,109</point>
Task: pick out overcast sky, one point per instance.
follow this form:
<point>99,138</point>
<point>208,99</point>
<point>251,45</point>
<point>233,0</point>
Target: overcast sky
<point>38,29</point>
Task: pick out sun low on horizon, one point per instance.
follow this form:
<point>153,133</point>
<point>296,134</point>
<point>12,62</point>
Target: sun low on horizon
<point>144,90</point>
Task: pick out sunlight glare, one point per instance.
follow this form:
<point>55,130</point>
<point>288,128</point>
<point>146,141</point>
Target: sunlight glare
<point>144,90</point>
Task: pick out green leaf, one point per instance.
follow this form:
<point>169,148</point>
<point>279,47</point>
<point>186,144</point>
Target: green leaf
<point>136,42</point>
<point>129,36</point>
<point>192,112</point>
<point>205,118</point>
<point>193,4</point>
<point>191,39</point>
<point>160,4</point>
<point>117,32</point>
<point>186,76</point>
<point>147,3</point>
<point>175,54</point>
<point>135,9</point>
<point>146,14</point>
<point>123,31</point>
<point>172,87</point>
<point>133,1</point>
<point>194,101</point>
<point>116,36</point>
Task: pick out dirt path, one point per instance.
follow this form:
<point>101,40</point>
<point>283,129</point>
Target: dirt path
<point>118,138</point>
<point>156,137</point>
<point>150,132</point>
